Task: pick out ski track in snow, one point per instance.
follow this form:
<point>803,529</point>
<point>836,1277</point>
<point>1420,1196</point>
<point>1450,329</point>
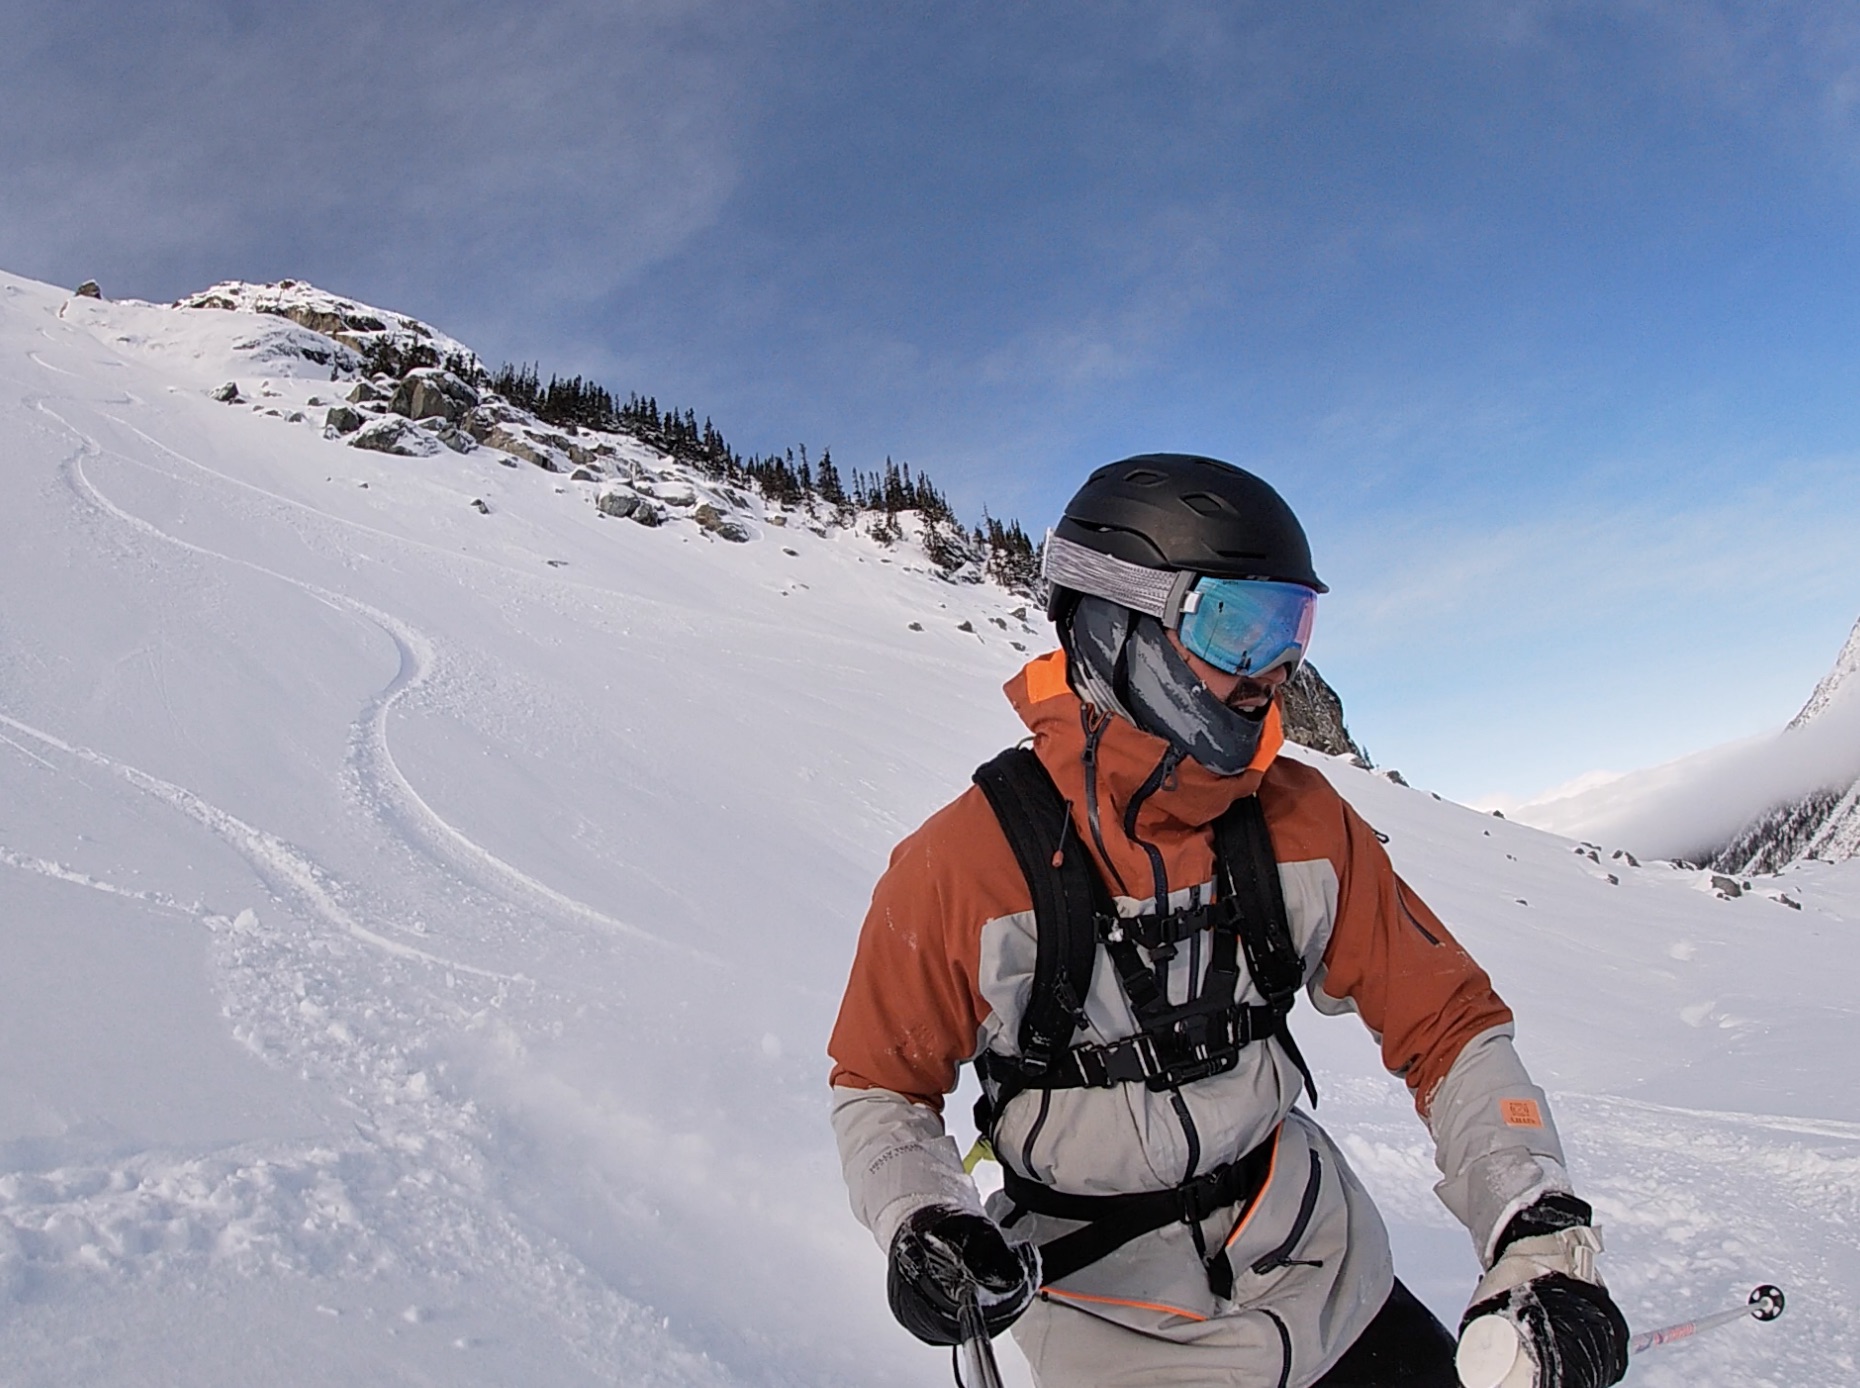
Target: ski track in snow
<point>290,873</point>
<point>406,1194</point>
<point>377,779</point>
<point>302,1001</point>
<point>58,872</point>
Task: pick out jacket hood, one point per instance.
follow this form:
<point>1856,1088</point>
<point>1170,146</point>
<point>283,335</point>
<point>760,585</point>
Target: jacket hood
<point>1172,818</point>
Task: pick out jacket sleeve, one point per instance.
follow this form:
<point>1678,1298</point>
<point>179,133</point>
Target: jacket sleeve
<point>910,1016</point>
<point>1444,1031</point>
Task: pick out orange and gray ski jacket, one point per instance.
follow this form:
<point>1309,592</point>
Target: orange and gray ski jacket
<point>944,969</point>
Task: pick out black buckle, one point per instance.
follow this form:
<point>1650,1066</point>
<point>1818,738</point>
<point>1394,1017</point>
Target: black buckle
<point>1202,1196</point>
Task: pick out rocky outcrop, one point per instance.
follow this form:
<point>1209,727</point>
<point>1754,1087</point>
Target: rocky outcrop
<point>512,439</point>
<point>430,393</point>
<point>89,290</point>
<point>1313,715</point>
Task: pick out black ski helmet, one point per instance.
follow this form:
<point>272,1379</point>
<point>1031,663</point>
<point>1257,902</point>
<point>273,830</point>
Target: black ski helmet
<point>1180,511</point>
<point>1122,564</point>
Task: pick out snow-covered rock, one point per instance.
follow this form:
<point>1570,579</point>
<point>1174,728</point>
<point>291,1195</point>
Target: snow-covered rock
<point>363,330</point>
<point>397,436</point>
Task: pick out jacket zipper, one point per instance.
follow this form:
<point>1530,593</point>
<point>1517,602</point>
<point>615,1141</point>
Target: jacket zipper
<point>1033,1134</point>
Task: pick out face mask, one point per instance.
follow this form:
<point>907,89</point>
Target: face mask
<point>1123,663</point>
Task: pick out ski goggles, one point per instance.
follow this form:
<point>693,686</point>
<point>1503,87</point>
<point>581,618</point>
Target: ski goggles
<point>1247,626</point>
<point>1244,626</point>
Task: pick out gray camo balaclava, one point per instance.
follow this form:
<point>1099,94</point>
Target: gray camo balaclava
<point>1122,663</point>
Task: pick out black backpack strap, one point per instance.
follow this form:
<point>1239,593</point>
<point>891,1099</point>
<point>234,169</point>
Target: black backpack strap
<point>1066,901</point>
<point>1111,1221</point>
<point>1244,845</point>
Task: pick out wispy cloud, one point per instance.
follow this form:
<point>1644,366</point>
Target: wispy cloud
<point>557,150</point>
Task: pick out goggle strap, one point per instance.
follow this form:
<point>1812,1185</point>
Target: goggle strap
<point>1159,593</point>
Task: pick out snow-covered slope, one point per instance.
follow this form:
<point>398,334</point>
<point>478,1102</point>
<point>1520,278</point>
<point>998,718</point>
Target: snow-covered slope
<point>420,923</point>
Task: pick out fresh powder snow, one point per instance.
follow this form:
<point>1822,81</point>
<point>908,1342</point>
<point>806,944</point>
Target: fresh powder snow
<point>425,896</point>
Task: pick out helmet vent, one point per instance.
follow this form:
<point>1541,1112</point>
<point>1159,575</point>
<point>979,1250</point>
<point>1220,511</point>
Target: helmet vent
<point>1204,505</point>
<point>1145,477</point>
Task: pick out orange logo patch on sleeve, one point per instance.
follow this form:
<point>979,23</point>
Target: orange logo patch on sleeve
<point>1521,1113</point>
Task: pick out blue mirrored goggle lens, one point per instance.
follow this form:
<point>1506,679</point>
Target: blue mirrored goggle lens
<point>1248,626</point>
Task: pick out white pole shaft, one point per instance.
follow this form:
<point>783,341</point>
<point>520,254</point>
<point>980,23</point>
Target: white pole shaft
<point>1685,1330</point>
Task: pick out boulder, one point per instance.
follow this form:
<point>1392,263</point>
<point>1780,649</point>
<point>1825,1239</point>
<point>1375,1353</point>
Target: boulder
<point>647,514</point>
<point>229,394</point>
<point>343,420</point>
<point>713,521</point>
<point>89,290</point>
<point>432,393</point>
<point>616,502</point>
<point>364,391</point>
<point>581,474</point>
<point>397,436</point>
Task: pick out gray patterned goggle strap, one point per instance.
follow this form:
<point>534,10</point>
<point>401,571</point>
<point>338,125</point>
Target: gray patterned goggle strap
<point>1155,592</point>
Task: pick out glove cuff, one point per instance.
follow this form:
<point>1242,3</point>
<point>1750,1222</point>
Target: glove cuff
<point>1549,1213</point>
<point>1569,1251</point>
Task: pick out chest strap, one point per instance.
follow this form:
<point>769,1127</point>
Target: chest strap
<point>1074,919</point>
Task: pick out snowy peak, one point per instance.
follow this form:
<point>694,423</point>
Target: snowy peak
<point>1834,682</point>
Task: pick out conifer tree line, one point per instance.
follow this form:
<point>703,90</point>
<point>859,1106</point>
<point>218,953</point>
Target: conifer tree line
<point>789,478</point>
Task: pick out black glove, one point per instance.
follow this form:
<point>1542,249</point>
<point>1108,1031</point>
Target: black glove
<point>937,1254</point>
<point>1547,1322</point>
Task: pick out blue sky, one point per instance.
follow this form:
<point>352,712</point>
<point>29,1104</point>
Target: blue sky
<point>1544,316</point>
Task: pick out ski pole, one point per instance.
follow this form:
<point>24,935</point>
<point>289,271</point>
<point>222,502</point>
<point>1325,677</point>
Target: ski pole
<point>975,1351</point>
<point>1766,1304</point>
<point>973,1356</point>
<point>1491,1347</point>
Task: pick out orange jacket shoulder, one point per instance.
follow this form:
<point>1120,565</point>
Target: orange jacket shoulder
<point>913,1009</point>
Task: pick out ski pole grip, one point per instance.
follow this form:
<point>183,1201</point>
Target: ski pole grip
<point>1490,1353</point>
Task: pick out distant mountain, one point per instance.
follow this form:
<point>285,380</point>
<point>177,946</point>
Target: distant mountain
<point>1824,824</point>
<point>1758,805</point>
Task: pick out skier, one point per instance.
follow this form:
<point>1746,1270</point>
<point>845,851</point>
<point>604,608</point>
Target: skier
<point>1113,929</point>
